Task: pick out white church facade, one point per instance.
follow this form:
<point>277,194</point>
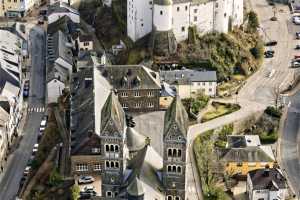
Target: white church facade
<point>178,15</point>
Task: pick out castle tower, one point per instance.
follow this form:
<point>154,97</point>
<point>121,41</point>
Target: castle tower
<point>112,146</point>
<point>174,150</point>
<point>163,40</point>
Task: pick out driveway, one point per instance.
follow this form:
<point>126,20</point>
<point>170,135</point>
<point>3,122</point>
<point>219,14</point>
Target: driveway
<point>18,159</point>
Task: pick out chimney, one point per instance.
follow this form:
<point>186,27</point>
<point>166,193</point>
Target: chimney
<point>266,171</point>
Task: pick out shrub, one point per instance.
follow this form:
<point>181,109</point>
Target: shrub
<point>258,51</point>
<point>268,138</point>
<point>75,190</point>
<point>272,111</point>
<point>253,23</point>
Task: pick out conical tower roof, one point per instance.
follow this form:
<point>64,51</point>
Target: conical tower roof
<point>135,188</point>
<point>135,141</point>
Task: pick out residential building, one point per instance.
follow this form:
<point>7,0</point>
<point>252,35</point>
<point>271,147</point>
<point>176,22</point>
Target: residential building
<point>176,16</point>
<point>85,42</point>
<point>266,184</point>
<point>60,9</point>
<point>59,64</point>
<point>131,165</point>
<point>245,153</point>
<point>4,121</point>
<point>189,83</point>
<point>17,8</point>
<point>138,87</point>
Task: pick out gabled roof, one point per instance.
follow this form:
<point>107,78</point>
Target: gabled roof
<point>131,77</point>
<point>269,178</point>
<point>136,188</point>
<point>112,110</point>
<point>176,113</point>
<point>60,7</point>
<point>247,154</point>
<point>64,24</point>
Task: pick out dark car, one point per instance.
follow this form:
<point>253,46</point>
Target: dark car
<point>271,43</point>
<point>297,35</point>
<point>297,46</point>
<point>269,54</point>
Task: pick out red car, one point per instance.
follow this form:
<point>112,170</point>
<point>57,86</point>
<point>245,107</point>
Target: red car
<point>297,56</point>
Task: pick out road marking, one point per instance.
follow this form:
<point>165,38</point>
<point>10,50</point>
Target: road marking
<point>36,109</point>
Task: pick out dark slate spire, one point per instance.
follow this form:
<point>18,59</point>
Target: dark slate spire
<point>177,114</point>
<point>112,110</point>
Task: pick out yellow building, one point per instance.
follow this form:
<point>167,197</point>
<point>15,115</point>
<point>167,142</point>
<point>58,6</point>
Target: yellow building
<point>245,153</point>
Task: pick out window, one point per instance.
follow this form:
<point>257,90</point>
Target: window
<point>225,14</point>
<point>86,44</point>
<point>239,164</point>
<point>82,167</point>
<point>179,153</point>
<point>179,169</point>
<point>169,197</point>
<point>175,169</point>
<point>137,94</point>
<point>169,168</point>
<point>112,148</point>
<point>95,150</point>
<point>150,2</point>
<point>150,94</point>
<point>15,1</point>
<point>142,25</point>
<point>137,105</point>
<point>210,83</point>
<point>178,9</point>
<point>124,105</point>
<point>177,198</point>
<point>210,89</point>
<point>150,104</point>
<point>195,18</point>
<point>124,94</point>
<point>161,12</point>
<point>195,10</point>
<point>183,29</point>
<point>203,83</point>
<point>108,194</point>
<point>97,167</point>
<point>106,147</point>
<point>217,5</point>
<point>186,8</point>
<point>112,164</point>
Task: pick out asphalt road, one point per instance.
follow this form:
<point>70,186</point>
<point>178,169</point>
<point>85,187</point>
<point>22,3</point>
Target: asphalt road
<point>17,161</point>
<point>290,143</point>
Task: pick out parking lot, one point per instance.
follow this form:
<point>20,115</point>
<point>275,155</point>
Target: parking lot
<point>96,184</point>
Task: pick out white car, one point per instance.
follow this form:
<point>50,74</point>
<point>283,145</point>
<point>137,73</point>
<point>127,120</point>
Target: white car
<point>85,179</point>
<point>296,20</point>
<point>296,63</point>
<point>36,146</point>
<point>88,188</point>
<point>27,170</point>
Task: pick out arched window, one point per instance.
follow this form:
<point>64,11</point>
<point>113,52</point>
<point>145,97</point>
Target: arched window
<point>169,168</point>
<point>112,148</point>
<point>107,147</point>
<point>117,164</point>
<point>169,197</point>
<point>179,153</point>
<point>116,148</point>
<point>177,198</point>
<point>174,152</point>
<point>112,164</point>
<point>107,164</point>
<point>169,152</point>
<point>174,169</point>
<point>179,169</point>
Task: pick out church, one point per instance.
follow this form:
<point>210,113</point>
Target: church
<point>176,16</point>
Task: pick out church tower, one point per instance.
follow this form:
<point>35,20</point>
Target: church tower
<point>163,40</point>
<point>112,146</point>
<point>174,150</point>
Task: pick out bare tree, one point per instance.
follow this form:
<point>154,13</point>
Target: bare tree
<point>276,95</point>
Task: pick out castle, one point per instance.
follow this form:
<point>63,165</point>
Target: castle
<point>176,16</point>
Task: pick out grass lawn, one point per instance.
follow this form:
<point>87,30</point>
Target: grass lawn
<point>219,109</point>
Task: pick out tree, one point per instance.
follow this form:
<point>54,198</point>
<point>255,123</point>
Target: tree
<point>75,190</point>
<point>55,178</point>
<point>258,50</point>
<point>253,23</point>
<point>276,96</point>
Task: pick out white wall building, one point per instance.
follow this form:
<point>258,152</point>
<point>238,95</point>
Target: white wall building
<point>16,8</point>
<point>266,184</point>
<point>189,83</point>
<point>207,16</point>
<point>60,9</point>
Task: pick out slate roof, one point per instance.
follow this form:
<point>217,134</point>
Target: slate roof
<point>112,110</point>
<point>6,77</point>
<point>176,113</point>
<point>59,7</point>
<point>82,107</point>
<point>131,77</point>
<point>60,47</point>
<point>247,154</point>
<point>186,76</point>
<point>270,178</point>
<point>85,38</point>
<point>64,24</point>
<point>241,141</point>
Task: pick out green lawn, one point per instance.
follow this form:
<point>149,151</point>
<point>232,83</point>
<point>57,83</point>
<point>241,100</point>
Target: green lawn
<point>219,109</point>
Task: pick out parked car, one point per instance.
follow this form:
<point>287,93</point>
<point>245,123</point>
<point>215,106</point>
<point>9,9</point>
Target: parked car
<point>27,171</point>
<point>43,124</point>
<point>297,35</point>
<point>295,63</point>
<point>85,179</point>
<point>26,88</point>
<point>297,57</point>
<point>88,188</point>
<point>269,54</point>
<point>296,20</point>
<point>297,47</point>
<point>271,43</point>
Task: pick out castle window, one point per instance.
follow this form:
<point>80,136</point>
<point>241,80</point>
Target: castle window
<point>112,148</point>
<point>174,152</point>
<point>116,148</point>
<point>150,2</point>
<point>225,14</point>
<point>108,194</point>
<point>217,5</point>
<point>169,152</point>
<point>161,12</point>
<point>142,25</point>
<point>195,10</point>
<point>107,147</point>
<point>150,94</point>
<point>150,104</point>
<point>107,165</point>
<point>169,197</point>
<point>174,169</point>
<point>179,153</point>
<point>183,29</point>
<point>124,105</point>
<point>195,18</point>
<point>112,164</point>
<point>117,164</point>
<point>137,105</point>
<point>86,44</point>
<point>177,198</point>
<point>186,8</point>
<point>97,167</point>
<point>178,8</point>
<point>179,169</point>
<point>82,167</point>
<point>169,168</point>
